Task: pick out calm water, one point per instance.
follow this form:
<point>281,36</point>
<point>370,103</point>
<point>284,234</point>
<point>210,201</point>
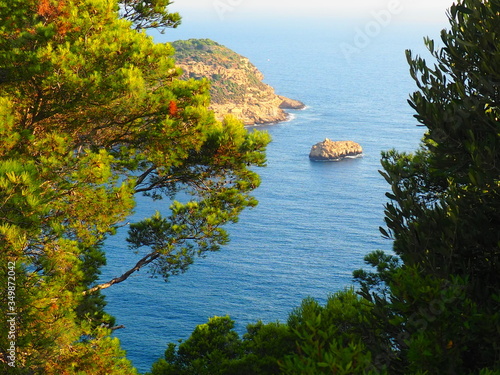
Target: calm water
<point>315,221</point>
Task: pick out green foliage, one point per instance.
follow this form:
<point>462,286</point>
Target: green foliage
<point>204,50</point>
<point>332,339</point>
<point>215,348</point>
<point>439,302</point>
<point>453,184</point>
<point>93,113</point>
<point>208,349</point>
<point>263,346</point>
<point>149,14</point>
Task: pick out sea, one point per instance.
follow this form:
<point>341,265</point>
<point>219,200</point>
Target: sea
<point>315,221</point>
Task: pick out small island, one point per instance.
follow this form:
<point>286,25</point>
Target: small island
<point>329,150</point>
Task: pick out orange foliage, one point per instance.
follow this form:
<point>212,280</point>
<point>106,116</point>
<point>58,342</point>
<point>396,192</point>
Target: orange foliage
<point>45,8</point>
<point>51,13</point>
<point>172,106</point>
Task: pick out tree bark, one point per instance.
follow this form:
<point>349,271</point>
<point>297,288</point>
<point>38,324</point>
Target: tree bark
<point>140,264</point>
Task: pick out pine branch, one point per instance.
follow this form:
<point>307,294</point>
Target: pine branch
<point>143,176</point>
<point>140,264</point>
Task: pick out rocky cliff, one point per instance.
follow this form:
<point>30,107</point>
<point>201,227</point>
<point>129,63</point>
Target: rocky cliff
<point>236,84</point>
<point>329,150</point>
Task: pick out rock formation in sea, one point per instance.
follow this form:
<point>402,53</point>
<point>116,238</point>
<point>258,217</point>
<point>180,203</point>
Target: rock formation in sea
<point>329,150</point>
<point>236,84</point>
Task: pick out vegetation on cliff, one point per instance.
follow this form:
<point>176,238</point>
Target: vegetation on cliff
<point>217,56</point>
<point>236,85</point>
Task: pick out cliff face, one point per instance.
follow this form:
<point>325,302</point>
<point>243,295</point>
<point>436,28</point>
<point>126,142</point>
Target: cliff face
<point>237,86</point>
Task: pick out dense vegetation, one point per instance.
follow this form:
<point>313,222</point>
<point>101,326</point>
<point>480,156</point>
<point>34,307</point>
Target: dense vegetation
<point>433,306</point>
<point>92,113</point>
<point>206,50</point>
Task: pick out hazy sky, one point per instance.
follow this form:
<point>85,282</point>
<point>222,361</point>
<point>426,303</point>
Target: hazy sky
<point>415,11</point>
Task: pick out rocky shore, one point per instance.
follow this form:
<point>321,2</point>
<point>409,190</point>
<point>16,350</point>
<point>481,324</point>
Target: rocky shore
<point>237,86</point>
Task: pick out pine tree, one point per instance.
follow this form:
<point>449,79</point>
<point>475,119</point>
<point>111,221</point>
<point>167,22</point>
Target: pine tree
<point>86,124</point>
<point>441,301</point>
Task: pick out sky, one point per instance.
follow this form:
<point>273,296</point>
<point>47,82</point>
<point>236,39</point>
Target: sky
<point>401,11</point>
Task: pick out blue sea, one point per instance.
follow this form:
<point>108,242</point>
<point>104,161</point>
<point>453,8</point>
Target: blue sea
<point>315,221</point>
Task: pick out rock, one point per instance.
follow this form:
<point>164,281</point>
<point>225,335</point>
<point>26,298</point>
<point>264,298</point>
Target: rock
<point>288,103</point>
<point>329,150</point>
<point>236,84</point>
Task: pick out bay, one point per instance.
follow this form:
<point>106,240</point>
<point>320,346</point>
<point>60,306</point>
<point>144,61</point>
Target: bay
<point>315,221</point>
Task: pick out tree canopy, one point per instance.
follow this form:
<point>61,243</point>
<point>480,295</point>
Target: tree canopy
<point>93,113</point>
<point>146,14</point>
<point>215,348</point>
<point>442,286</point>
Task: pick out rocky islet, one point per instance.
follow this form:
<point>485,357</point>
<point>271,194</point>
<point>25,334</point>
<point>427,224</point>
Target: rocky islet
<point>329,150</point>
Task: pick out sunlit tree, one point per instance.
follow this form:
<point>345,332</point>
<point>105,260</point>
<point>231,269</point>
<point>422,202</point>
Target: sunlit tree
<point>92,113</point>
